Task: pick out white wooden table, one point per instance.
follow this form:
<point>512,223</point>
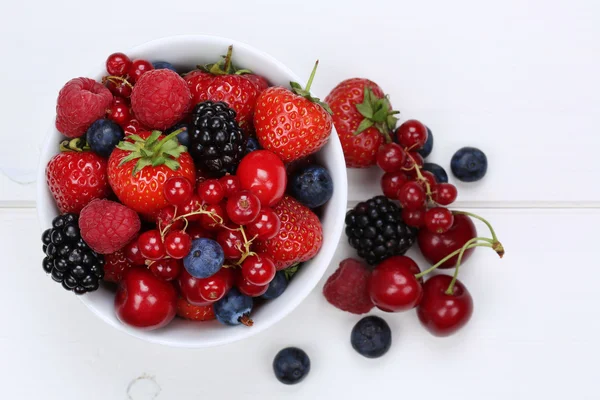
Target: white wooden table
<point>518,79</point>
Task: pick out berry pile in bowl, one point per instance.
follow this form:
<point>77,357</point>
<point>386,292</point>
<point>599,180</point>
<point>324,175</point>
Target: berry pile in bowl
<point>192,192</point>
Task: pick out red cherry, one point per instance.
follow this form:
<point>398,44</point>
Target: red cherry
<point>178,244</point>
<point>151,245</point>
<point>393,286</point>
<point>243,207</point>
<point>218,218</point>
<point>263,173</point>
<point>443,314</point>
<point>258,270</point>
<point>139,68</point>
<point>178,191</point>
<point>211,191</point>
<point>412,135</point>
<point>265,226</point>
<point>414,218</point>
<point>165,216</point>
<point>391,182</point>
<point>445,194</point>
<point>232,242</point>
<point>207,290</point>
<point>390,157</point>
<point>436,246</point>
<point>439,219</point>
<point>412,196</point>
<point>144,301</point>
<point>248,288</point>
<point>196,231</point>
<point>119,87</point>
<point>192,206</point>
<point>166,269</point>
<point>231,184</point>
<point>133,254</point>
<point>117,64</point>
<point>119,113</point>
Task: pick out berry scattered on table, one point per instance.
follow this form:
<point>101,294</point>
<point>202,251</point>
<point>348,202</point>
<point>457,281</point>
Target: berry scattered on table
<point>291,365</point>
<point>371,337</point>
<point>347,287</point>
<point>393,286</point>
<point>469,164</point>
<point>311,186</point>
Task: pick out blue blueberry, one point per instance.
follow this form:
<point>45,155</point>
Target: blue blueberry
<point>252,145</point>
<point>469,164</point>
<point>426,150</point>
<point>276,287</point>
<point>233,308</point>
<point>291,365</point>
<point>440,173</point>
<point>103,136</point>
<point>371,337</point>
<point>204,259</point>
<point>311,186</point>
<point>163,65</point>
<point>184,136</point>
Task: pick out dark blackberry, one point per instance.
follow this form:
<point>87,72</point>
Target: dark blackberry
<point>216,140</point>
<point>376,230</point>
<point>69,260</point>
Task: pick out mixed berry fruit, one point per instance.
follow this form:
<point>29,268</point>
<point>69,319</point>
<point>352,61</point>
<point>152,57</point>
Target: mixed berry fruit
<point>174,187</point>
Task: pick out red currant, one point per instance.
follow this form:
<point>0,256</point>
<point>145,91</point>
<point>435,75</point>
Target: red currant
<point>445,194</point>
<point>119,100</point>
<point>218,218</point>
<point>166,216</point>
<point>390,157</point>
<point>138,68</point>
<point>439,220</point>
<point>192,206</point>
<point>414,218</point>
<point>178,191</point>
<point>166,269</point>
<point>178,244</point>
<point>119,113</point>
<point>258,270</point>
<point>248,288</point>
<point>412,196</point>
<point>119,87</point>
<point>430,179</point>
<point>134,126</point>
<point>216,286</point>
<point>231,184</point>
<point>196,231</point>
<point>393,286</point>
<point>133,254</point>
<point>412,135</point>
<point>265,226</point>
<point>151,245</point>
<point>409,163</point>
<point>117,64</point>
<point>211,191</point>
<point>391,182</point>
<point>232,242</point>
<point>243,207</point>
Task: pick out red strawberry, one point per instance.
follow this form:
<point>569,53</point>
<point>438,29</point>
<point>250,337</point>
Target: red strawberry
<point>221,83</point>
<point>76,177</point>
<point>347,289</point>
<point>260,81</point>
<point>139,167</point>
<point>194,313</point>
<point>115,265</point>
<point>292,123</point>
<point>363,119</point>
<point>300,237</point>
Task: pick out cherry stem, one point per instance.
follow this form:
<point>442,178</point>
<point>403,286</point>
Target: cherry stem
<point>312,76</point>
<point>450,290</point>
<point>493,233</point>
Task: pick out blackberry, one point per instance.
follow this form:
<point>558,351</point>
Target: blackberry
<point>69,260</point>
<point>375,228</point>
<point>216,140</point>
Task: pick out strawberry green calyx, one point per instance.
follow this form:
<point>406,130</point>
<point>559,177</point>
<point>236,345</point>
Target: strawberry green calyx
<point>378,113</point>
<point>224,66</point>
<point>305,92</point>
<point>153,152</point>
<point>77,144</point>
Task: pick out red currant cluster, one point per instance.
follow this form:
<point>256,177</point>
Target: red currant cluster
<point>418,191</point>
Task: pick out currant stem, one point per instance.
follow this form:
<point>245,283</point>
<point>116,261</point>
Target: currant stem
<point>494,237</point>
<point>117,78</point>
<point>449,256</point>
<point>450,290</point>
<point>421,178</point>
<point>312,76</point>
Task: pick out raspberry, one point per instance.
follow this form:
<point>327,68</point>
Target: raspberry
<point>115,265</point>
<point>80,102</point>
<point>347,288</point>
<point>107,226</point>
<point>160,98</point>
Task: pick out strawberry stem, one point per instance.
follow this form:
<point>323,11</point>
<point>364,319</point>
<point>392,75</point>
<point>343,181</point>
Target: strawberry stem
<point>312,77</point>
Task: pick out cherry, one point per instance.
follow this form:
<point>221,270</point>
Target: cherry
<point>192,206</point>
<point>443,314</point>
<point>178,244</point>
<point>117,64</point>
<point>391,182</point>
<point>230,183</point>
<point>232,242</point>
<point>166,269</point>
<point>390,157</point>
<point>393,286</point>
<point>119,87</point>
<point>211,191</point>
<point>165,216</point>
<point>258,270</point>
<point>265,226</point>
<point>445,194</point>
<point>119,113</point>
<point>248,288</point>
<point>412,135</point>
<point>412,196</point>
<point>243,207</point>
<point>414,218</point>
<point>439,219</point>
<point>263,173</point>
<point>151,245</point>
<point>178,191</point>
<point>218,218</point>
<point>133,253</point>
<point>138,68</point>
<point>436,246</point>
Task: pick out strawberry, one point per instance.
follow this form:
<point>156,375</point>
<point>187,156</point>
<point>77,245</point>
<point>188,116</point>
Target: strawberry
<point>194,313</point>
<point>299,239</point>
<point>115,265</point>
<point>363,119</point>
<point>139,167</point>
<point>292,123</point>
<point>76,177</point>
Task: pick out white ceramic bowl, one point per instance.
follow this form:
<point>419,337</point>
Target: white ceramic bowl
<point>185,52</point>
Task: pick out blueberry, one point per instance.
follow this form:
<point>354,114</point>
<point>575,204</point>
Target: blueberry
<point>233,308</point>
<point>276,287</point>
<point>440,173</point>
<point>311,186</point>
<point>103,136</point>
<point>469,164</point>
<point>204,259</point>
<point>163,65</point>
<point>291,365</point>
<point>371,337</point>
<point>252,145</point>
<point>426,150</point>
<point>184,136</point>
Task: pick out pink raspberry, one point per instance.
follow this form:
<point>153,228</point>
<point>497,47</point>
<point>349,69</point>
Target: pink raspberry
<point>107,226</point>
<point>80,102</point>
<point>347,288</point>
<point>160,98</point>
